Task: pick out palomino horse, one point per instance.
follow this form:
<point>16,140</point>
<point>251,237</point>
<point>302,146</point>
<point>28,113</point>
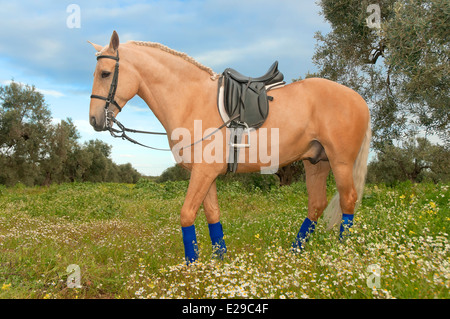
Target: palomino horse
<point>321,122</point>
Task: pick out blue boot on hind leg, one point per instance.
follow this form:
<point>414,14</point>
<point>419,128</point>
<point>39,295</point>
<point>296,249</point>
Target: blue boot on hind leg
<point>305,231</point>
<point>346,224</point>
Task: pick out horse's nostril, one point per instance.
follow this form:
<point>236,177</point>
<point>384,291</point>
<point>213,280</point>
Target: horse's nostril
<point>93,122</point>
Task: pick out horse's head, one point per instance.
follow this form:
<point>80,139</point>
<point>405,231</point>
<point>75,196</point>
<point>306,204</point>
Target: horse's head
<point>111,89</point>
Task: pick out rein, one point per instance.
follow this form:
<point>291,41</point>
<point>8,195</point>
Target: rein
<point>122,129</point>
<point>124,135</point>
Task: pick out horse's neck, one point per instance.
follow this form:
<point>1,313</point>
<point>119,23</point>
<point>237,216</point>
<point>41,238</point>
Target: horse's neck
<point>170,86</point>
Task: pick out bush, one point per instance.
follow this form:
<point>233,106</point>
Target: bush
<point>174,173</point>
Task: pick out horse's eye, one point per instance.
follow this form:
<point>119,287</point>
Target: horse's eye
<point>105,74</point>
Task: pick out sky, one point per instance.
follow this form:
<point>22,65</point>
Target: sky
<point>44,43</point>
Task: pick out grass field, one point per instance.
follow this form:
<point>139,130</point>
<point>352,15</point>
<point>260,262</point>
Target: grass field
<point>126,240</point>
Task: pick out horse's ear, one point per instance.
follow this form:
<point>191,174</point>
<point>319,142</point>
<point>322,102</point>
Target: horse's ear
<point>96,46</point>
<point>114,43</point>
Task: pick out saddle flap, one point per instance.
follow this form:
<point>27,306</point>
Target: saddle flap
<point>249,100</point>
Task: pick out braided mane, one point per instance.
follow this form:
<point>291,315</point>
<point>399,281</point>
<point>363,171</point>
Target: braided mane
<point>182,55</point>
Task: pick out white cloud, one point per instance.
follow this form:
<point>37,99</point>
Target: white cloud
<point>53,93</point>
<point>56,120</point>
<point>259,47</point>
<point>84,127</point>
<point>136,108</point>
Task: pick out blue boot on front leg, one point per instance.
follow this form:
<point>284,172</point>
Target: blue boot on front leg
<point>305,231</point>
<point>217,241</point>
<point>190,244</point>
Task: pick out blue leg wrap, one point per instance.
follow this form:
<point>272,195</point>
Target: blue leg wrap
<point>218,243</point>
<point>190,244</point>
<point>346,224</point>
<point>305,231</point>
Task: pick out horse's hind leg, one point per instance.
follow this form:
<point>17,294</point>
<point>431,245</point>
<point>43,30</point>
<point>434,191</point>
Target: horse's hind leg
<point>212,212</point>
<point>343,174</point>
<point>316,184</point>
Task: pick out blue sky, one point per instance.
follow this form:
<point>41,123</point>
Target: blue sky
<point>37,47</point>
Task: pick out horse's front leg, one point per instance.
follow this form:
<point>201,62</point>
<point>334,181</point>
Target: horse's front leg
<point>199,185</point>
<point>212,212</point>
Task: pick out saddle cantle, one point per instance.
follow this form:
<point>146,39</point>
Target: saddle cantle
<point>244,100</point>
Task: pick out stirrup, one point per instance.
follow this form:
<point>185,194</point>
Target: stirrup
<point>248,135</point>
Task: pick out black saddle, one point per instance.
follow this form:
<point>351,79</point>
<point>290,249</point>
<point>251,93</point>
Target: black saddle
<point>246,103</point>
<point>247,97</point>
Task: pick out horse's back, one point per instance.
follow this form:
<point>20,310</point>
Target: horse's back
<point>319,101</point>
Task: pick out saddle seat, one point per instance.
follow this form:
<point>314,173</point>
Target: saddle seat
<point>272,76</point>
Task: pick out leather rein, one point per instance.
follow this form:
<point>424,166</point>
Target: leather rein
<point>121,132</point>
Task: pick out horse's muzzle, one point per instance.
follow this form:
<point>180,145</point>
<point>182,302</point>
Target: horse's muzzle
<point>98,124</point>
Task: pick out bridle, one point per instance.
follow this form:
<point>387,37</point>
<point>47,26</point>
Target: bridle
<point>110,114</point>
<point>112,89</point>
<point>122,129</point>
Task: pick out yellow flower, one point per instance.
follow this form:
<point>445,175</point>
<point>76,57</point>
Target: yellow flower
<point>6,286</point>
<point>433,204</point>
<point>257,236</point>
<point>402,197</point>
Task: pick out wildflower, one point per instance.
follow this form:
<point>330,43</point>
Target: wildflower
<point>6,286</point>
<point>433,204</point>
<point>402,197</point>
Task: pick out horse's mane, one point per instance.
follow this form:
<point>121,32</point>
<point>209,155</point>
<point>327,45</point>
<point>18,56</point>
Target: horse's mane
<point>182,55</point>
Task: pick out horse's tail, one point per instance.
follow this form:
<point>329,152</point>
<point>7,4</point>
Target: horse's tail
<point>333,212</point>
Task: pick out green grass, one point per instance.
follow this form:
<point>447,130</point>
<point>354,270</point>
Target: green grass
<point>127,241</point>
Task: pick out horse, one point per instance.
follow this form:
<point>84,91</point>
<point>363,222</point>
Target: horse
<point>318,121</point>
